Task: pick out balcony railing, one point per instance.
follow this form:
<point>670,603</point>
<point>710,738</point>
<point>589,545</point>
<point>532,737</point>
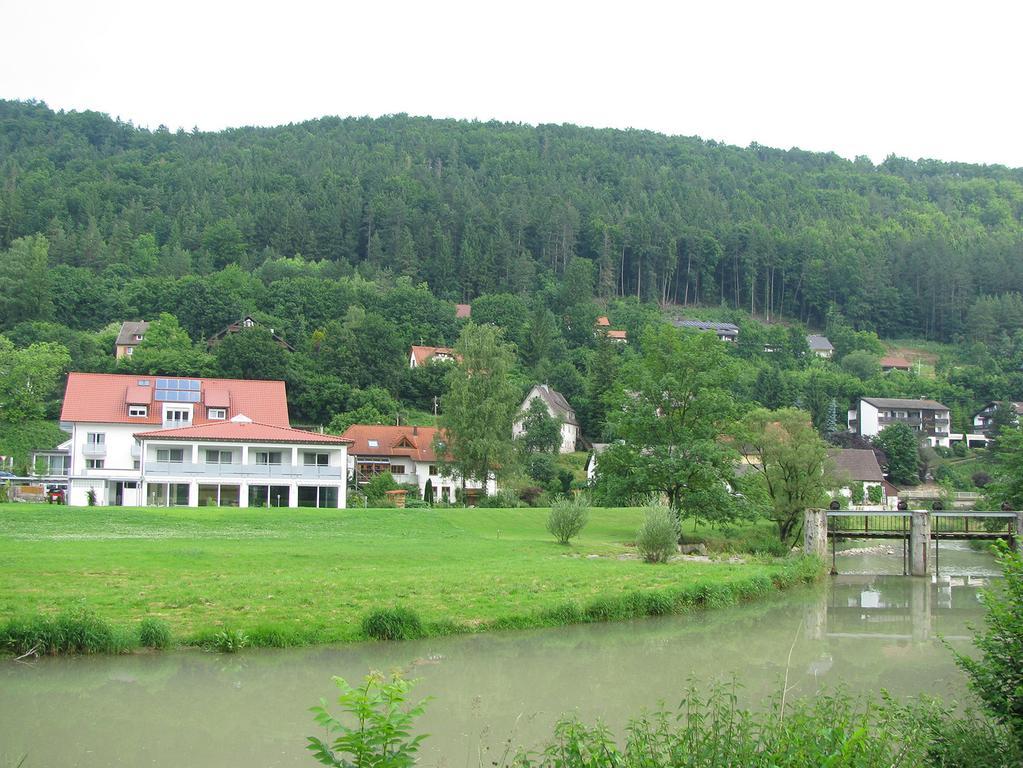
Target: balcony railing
<point>243,471</point>
<point>94,450</point>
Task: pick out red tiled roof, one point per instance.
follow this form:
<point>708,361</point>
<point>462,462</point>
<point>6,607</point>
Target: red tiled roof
<point>241,431</point>
<point>890,361</point>
<point>410,442</point>
<point>603,322</point>
<point>423,354</point>
<point>616,335</point>
<point>463,310</point>
<point>103,398</point>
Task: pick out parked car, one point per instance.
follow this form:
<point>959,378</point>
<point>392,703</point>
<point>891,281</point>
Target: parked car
<point>56,495</point>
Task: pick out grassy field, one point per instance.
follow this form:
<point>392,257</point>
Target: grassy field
<point>309,576</point>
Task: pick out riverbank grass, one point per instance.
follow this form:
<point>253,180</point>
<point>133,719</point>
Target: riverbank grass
<point>302,576</point>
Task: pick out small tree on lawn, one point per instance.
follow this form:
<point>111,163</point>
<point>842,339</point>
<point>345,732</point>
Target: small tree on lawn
<point>790,463</point>
<point>479,406</point>
<point>900,446</point>
<point>1006,483</point>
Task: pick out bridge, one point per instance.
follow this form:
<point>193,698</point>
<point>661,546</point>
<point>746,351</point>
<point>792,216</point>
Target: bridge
<point>916,529</point>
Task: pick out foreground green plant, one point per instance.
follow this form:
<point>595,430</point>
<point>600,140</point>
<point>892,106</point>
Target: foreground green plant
<point>380,736</point>
<point>230,641</point>
<point>75,631</point>
<point>997,676</point>
<point>567,518</point>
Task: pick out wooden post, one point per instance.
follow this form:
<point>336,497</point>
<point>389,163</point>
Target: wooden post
<point>1017,535</point>
<point>815,532</point>
<point>919,541</point>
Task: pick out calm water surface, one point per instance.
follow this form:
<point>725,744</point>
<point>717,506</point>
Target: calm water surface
<point>863,632</point>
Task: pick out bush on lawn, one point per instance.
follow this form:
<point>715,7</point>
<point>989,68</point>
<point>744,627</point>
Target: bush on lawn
<point>393,624</point>
<point>567,518</point>
<point>657,539</point>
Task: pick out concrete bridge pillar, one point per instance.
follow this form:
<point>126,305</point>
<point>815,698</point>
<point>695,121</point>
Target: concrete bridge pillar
<point>920,610</point>
<point>815,532</point>
<point>919,542</point>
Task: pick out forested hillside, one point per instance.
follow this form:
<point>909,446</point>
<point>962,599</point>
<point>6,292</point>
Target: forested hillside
<point>904,248</point>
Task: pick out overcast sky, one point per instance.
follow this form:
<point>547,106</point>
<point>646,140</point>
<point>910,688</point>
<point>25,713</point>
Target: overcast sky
<point>917,79</point>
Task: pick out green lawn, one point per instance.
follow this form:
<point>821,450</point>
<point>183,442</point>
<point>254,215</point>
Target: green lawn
<point>311,575</point>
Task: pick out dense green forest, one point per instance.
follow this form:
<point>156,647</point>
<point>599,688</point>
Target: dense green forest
<point>904,248</point>
<point>353,239</point>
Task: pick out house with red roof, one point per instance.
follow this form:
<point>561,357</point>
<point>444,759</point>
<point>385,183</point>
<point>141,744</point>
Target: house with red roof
<point>173,441</point>
<point>420,355</point>
<point>408,453</point>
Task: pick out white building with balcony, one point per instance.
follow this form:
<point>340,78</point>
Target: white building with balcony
<point>929,418</point>
<point>161,441</point>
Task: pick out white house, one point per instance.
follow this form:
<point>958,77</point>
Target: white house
<point>820,346</point>
<point>558,408</point>
<point>163,441</point>
<point>408,453</point>
<point>419,355</point>
<point>930,419</point>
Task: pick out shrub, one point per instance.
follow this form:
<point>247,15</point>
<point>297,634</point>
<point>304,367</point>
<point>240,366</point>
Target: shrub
<point>154,633</point>
<point>657,539</point>
<point>382,733</point>
<point>567,518</point>
<point>959,448</point>
<point>874,494</point>
<point>230,641</point>
<point>997,677</point>
<point>980,479</point>
<point>530,494</point>
<point>504,499</point>
<point>541,467</point>
<point>90,497</point>
<point>378,486</point>
<point>393,624</point>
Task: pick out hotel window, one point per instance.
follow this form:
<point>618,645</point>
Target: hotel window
<point>138,411</point>
<point>433,469</point>
<point>397,469</point>
<point>129,351</point>
<point>94,463</point>
<point>176,417</point>
<point>216,414</point>
<point>218,457</point>
<point>170,455</point>
<point>268,458</point>
<point>316,459</point>
<point>95,438</point>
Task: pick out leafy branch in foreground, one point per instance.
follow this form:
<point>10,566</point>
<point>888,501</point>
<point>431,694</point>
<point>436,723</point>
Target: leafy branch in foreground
<point>382,734</point>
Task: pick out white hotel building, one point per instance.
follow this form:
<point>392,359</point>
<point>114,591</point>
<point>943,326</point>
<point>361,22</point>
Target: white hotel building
<point>167,441</point>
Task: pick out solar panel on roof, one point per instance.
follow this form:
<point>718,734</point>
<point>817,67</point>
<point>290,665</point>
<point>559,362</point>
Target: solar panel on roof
<point>178,390</point>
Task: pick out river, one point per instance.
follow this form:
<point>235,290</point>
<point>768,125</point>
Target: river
<point>858,631</point>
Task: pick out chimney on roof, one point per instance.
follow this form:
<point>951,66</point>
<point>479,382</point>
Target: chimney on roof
<point>415,431</point>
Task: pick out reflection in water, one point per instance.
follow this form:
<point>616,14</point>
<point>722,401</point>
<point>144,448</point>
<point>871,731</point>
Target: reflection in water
<point>197,709</point>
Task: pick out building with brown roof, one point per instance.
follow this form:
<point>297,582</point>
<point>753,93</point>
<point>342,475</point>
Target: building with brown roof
<point>854,466</point>
<point>894,363</point>
<point>175,441</point>
<point>408,453</point>
<point>241,325</point>
<point>420,355</point>
<point>463,311</point>
<point>129,337</point>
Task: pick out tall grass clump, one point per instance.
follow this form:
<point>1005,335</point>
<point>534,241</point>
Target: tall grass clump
<point>229,641</point>
<point>393,624</point>
<point>154,633</point>
<point>75,631</point>
<point>567,518</point>
<point>657,539</point>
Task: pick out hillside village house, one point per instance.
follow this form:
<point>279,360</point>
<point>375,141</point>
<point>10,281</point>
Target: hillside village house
<point>558,408</point>
<point>856,465</point>
<point>241,325</point>
<point>724,331</point>
<point>420,355</point>
<point>129,337</point>
<point>930,419</point>
<point>603,327</point>
<point>820,346</point>
<point>893,363</point>
<point>171,441</point>
<point>984,419</point>
<point>408,453</point>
